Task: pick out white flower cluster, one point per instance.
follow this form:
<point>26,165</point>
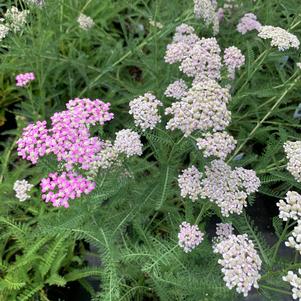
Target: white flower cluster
<point>206,10</point>
<point>145,111</point>
<point>4,30</point>
<point>15,19</point>
<point>234,60</point>
<point>21,187</point>
<point>203,108</point>
<point>228,188</point>
<point>177,89</point>
<point>219,144</point>
<point>295,282</point>
<point>241,263</point>
<point>128,142</point>
<point>290,207</point>
<point>85,22</point>
<point>294,241</point>
<point>189,236</point>
<point>190,183</point>
<point>293,154</point>
<point>280,37</point>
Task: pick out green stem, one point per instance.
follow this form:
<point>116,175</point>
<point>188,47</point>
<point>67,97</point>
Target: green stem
<point>274,289</point>
<point>279,241</point>
<point>265,117</point>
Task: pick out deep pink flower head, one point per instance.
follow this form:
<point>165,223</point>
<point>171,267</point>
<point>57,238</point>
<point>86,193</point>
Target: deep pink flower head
<point>58,189</point>
<point>89,112</point>
<point>32,144</point>
<point>24,78</point>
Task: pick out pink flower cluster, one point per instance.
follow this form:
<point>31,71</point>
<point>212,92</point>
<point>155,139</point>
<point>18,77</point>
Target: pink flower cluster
<point>69,138</point>
<point>58,189</point>
<point>189,236</point>
<point>23,79</point>
<point>248,23</point>
<point>32,144</point>
<point>70,141</point>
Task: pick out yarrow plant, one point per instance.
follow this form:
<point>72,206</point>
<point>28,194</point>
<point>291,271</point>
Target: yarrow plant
<point>146,190</point>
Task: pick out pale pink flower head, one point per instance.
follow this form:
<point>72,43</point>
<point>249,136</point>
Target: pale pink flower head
<point>24,78</point>
<point>234,60</point>
<point>58,189</point>
<point>248,23</point>
<point>189,237</point>
<point>177,89</point>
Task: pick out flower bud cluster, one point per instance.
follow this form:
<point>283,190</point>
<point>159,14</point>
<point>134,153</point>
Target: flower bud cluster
<point>145,111</point>
<point>190,183</point>
<point>219,144</point>
<point>189,237</point>
<point>240,263</point>
<point>21,187</point>
<point>290,207</point>
<point>228,188</point>
<point>294,241</point>
<point>295,282</point>
<point>293,154</point>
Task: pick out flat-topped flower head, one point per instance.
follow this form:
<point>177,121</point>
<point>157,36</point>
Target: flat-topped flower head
<point>128,142</point>
<point>228,188</point>
<point>21,187</point>
<point>293,154</point>
<point>290,207</point>
<point>189,237</point>
<point>295,281</point>
<point>234,60</point>
<point>85,22</point>
<point>223,231</point>
<point>24,78</point>
<point>248,23</point>
<point>190,183</point>
<point>203,108</point>
<point>145,111</point>
<point>59,189</point>
<point>280,37</point>
<point>219,144</point>
<point>240,261</point>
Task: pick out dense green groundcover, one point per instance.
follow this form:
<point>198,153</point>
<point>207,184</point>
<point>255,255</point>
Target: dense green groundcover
<point>130,222</point>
